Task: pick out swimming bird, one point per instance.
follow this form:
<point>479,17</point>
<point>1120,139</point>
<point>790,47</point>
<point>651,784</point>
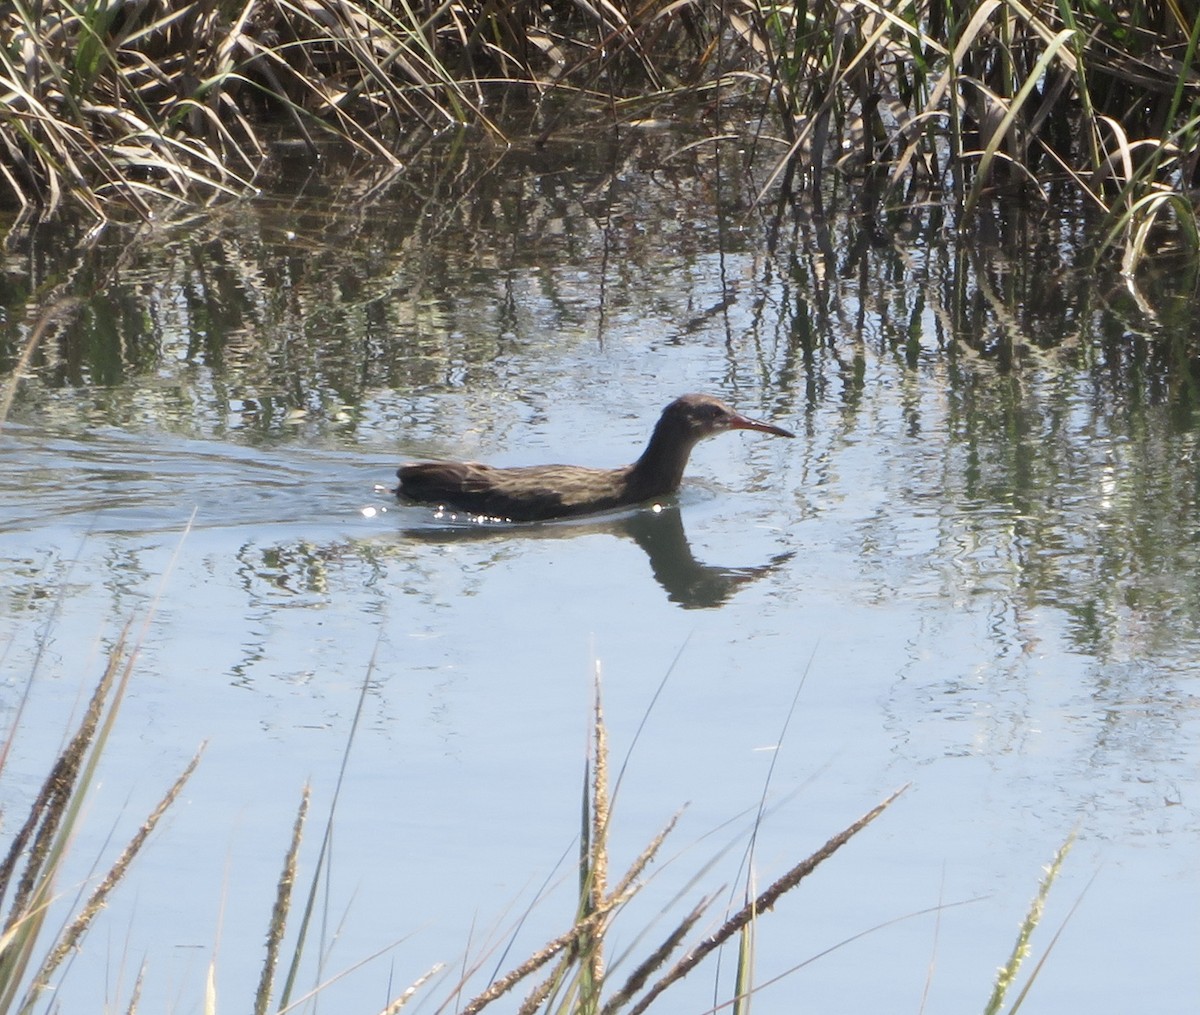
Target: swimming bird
<point>539,492</point>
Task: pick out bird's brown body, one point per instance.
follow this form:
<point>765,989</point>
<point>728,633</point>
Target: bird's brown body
<point>539,492</point>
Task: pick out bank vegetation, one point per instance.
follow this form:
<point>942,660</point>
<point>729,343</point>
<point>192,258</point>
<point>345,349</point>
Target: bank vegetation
<point>111,104</point>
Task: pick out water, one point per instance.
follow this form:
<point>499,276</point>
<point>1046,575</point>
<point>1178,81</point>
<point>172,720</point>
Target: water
<point>973,573</point>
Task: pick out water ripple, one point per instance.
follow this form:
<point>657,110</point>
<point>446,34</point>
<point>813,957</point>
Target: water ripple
<point>107,481</point>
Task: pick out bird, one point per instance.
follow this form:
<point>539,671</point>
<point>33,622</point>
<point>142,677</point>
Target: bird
<point>534,493</point>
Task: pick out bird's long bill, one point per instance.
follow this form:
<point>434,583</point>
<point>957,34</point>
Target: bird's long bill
<point>740,422</point>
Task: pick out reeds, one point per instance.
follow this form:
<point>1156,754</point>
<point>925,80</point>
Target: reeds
<point>108,104</point>
<point>574,975</point>
<point>131,104</point>
<point>1007,974</point>
<point>30,869</point>
<point>569,974</point>
<point>962,97</point>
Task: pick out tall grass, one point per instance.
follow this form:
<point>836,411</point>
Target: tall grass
<point>1007,974</point>
<point>570,974</point>
<point>30,953</point>
<point>108,104</point>
<point>960,97</point>
<point>574,975</point>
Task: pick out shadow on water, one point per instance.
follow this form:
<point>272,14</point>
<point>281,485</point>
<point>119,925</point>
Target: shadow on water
<point>658,531</point>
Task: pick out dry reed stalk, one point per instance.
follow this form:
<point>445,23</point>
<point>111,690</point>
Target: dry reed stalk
<point>409,991</point>
<point>537,960</point>
<point>283,902</point>
<point>48,810</point>
<point>763,903</point>
<point>598,867</point>
<point>655,960</point>
<point>625,886</point>
<point>79,925</point>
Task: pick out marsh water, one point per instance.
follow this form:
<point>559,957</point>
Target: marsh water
<point>975,573</point>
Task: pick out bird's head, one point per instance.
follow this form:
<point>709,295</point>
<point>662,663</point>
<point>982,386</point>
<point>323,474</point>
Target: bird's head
<point>700,416</point>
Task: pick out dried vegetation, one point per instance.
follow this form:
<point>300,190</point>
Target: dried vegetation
<point>127,104</point>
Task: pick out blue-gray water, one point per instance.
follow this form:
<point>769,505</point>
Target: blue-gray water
<point>974,573</point>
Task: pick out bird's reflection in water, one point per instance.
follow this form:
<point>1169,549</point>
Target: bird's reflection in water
<point>658,531</point>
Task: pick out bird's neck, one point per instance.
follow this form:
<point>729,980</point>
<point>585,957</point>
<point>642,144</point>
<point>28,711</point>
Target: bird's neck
<point>660,469</point>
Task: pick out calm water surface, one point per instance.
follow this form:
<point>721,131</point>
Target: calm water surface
<point>975,573</point>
